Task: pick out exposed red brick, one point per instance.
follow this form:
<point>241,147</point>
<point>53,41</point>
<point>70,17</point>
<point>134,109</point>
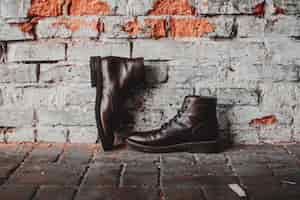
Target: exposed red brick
<point>190,27</point>
<point>172,7</point>
<point>87,7</point>
<point>267,120</point>
<point>158,27</point>
<point>76,24</point>
<point>279,10</point>
<point>45,8</point>
<point>132,27</point>
<point>259,9</point>
<point>28,27</point>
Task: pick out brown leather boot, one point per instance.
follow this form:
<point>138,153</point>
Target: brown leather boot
<point>113,76</point>
<point>193,129</point>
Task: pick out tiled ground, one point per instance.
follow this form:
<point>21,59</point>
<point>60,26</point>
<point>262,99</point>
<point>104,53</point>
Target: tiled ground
<point>82,172</point>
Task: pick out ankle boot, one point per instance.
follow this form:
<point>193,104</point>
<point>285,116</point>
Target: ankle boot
<point>113,76</point>
<point>193,129</point>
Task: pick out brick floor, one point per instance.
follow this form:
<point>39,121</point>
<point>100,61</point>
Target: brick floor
<point>78,172</point>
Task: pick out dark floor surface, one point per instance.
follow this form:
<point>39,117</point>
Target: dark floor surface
<point>80,172</point>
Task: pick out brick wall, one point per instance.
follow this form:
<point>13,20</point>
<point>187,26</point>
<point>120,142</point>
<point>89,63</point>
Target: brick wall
<point>246,53</point>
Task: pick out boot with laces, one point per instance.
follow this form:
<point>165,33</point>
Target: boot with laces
<point>193,129</point>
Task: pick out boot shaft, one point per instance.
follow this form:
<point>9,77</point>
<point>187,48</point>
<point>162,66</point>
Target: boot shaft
<point>199,108</point>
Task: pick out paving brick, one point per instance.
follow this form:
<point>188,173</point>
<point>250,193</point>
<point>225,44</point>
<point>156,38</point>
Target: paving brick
<point>54,192</point>
<point>219,193</point>
<point>141,175</point>
<point>252,170</point>
<point>47,174</point>
<point>77,154</point>
<point>172,180</point>
<point>17,192</point>
<point>273,192</point>
<point>92,193</point>
<point>35,51</point>
<point>75,52</point>
<point>11,156</point>
<point>183,193</point>
<point>102,174</point>
<point>18,73</point>
<point>45,153</point>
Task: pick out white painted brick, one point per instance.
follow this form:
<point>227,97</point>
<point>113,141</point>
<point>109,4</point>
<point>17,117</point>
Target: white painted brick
<point>279,97</point>
<point>78,95</point>
<point>87,134</point>
<point>67,117</point>
<point>51,134</point>
<point>58,27</point>
<point>163,49</point>
<point>243,52</point>
<point>84,50</point>
<point>188,73</point>
<point>167,49</point>
<point>255,73</point>
<point>14,8</point>
<point>12,32</point>
<point>35,51</point>
<point>18,73</point>
<point>57,97</point>
<point>65,73</point>
<point>236,96</point>
<point>276,135</point>
<point>225,6</point>
<point>289,6</point>
<point>136,7</point>
<point>224,26</point>
<point>31,97</point>
<point>113,26</point>
<point>249,137</point>
<point>15,117</point>
<point>275,48</point>
<point>250,26</point>
<point>241,116</point>
<point>20,135</point>
<point>283,25</point>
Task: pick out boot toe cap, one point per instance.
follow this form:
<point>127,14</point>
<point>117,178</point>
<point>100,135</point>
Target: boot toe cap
<point>136,139</point>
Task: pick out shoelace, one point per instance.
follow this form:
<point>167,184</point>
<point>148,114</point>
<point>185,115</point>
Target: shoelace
<point>174,119</point>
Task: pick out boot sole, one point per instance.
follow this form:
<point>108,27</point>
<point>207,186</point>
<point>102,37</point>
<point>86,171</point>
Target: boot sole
<point>192,147</point>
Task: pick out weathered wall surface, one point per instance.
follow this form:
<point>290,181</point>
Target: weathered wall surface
<point>246,53</point>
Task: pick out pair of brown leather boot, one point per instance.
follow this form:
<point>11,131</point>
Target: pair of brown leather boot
<point>193,129</point>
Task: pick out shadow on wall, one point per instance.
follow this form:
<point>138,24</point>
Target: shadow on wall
<point>138,107</point>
